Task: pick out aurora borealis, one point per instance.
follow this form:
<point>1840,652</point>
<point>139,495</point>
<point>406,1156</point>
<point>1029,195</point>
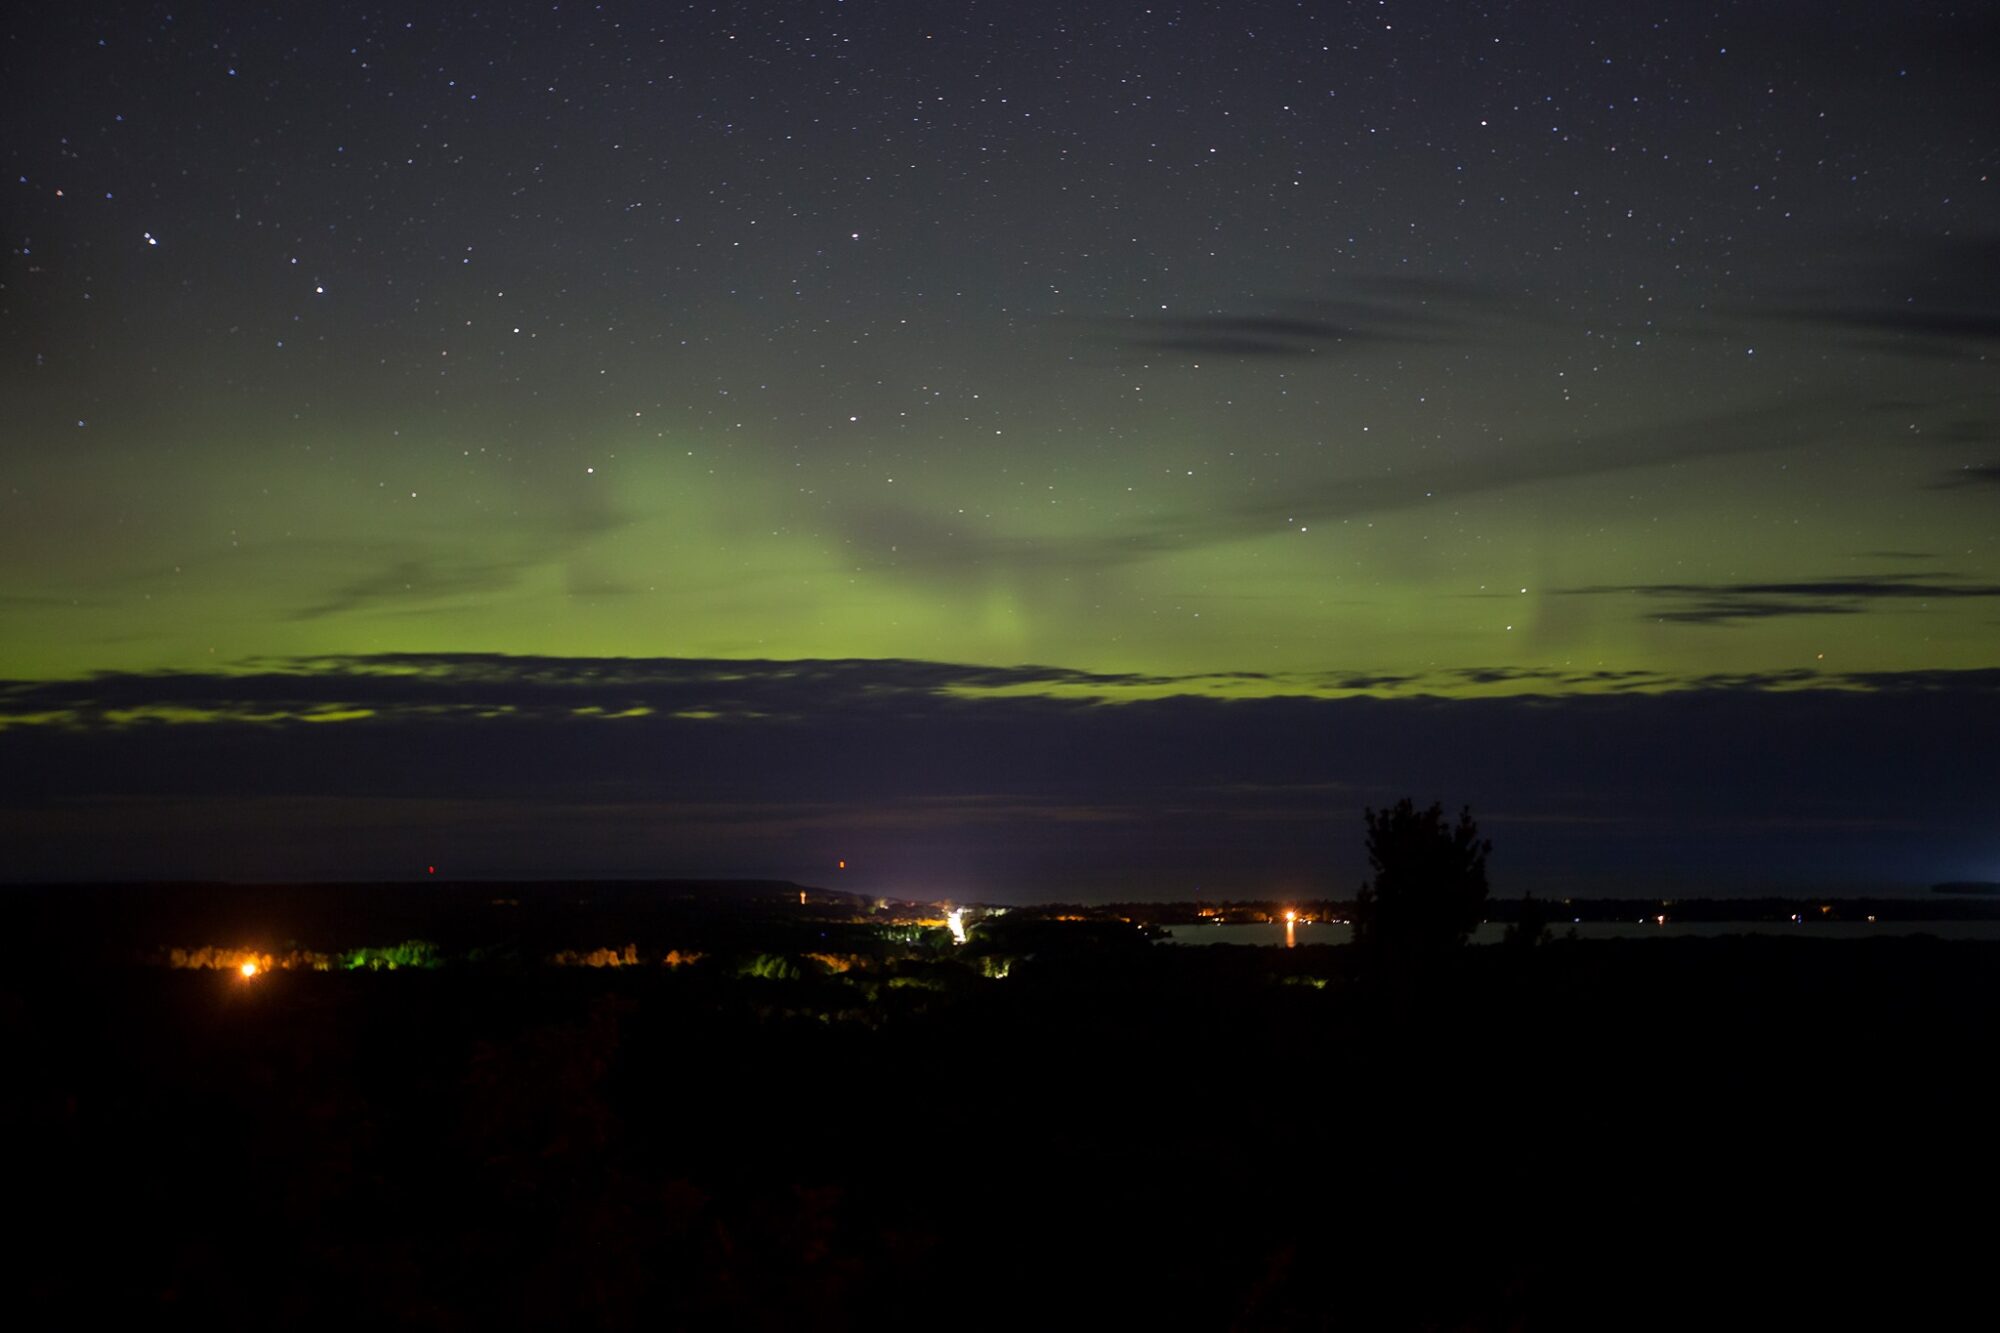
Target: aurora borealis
<point>1570,376</point>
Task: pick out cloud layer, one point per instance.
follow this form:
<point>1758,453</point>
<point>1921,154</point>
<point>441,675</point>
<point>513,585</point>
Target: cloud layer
<point>1007,783</point>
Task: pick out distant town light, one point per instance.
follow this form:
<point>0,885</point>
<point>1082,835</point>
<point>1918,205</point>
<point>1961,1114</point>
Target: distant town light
<point>248,969</point>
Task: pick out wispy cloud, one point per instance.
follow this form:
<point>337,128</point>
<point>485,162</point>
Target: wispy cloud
<point>416,574</point>
<point>416,580</point>
<point>1731,603</point>
<point>1366,313</point>
<point>1225,335</point>
<point>1938,297</point>
<point>916,544</point>
<point>1983,474</point>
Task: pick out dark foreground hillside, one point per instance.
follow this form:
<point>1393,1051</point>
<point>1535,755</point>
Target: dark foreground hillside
<point>1729,1133</point>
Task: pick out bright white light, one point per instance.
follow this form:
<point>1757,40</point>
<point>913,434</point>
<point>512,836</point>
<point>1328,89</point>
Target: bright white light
<point>955,919</point>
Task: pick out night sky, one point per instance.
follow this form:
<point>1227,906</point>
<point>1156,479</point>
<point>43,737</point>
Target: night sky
<point>1025,450</point>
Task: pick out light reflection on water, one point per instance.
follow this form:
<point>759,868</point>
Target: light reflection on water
<point>1287,933</point>
<point>1291,934</point>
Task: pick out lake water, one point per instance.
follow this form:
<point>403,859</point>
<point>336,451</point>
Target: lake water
<point>1326,932</point>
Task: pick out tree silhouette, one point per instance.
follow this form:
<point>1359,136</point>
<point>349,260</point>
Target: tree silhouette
<point>1429,883</point>
<point>1530,926</point>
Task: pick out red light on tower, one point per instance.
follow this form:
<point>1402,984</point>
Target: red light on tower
<point>431,870</point>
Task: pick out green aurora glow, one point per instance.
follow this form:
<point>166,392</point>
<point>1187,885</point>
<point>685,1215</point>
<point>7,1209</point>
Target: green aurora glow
<point>1342,357</point>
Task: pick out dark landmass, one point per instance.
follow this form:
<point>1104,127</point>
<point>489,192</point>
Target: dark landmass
<point>1563,910</point>
<point>849,1121</point>
<point>526,921</point>
<point>494,920</point>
